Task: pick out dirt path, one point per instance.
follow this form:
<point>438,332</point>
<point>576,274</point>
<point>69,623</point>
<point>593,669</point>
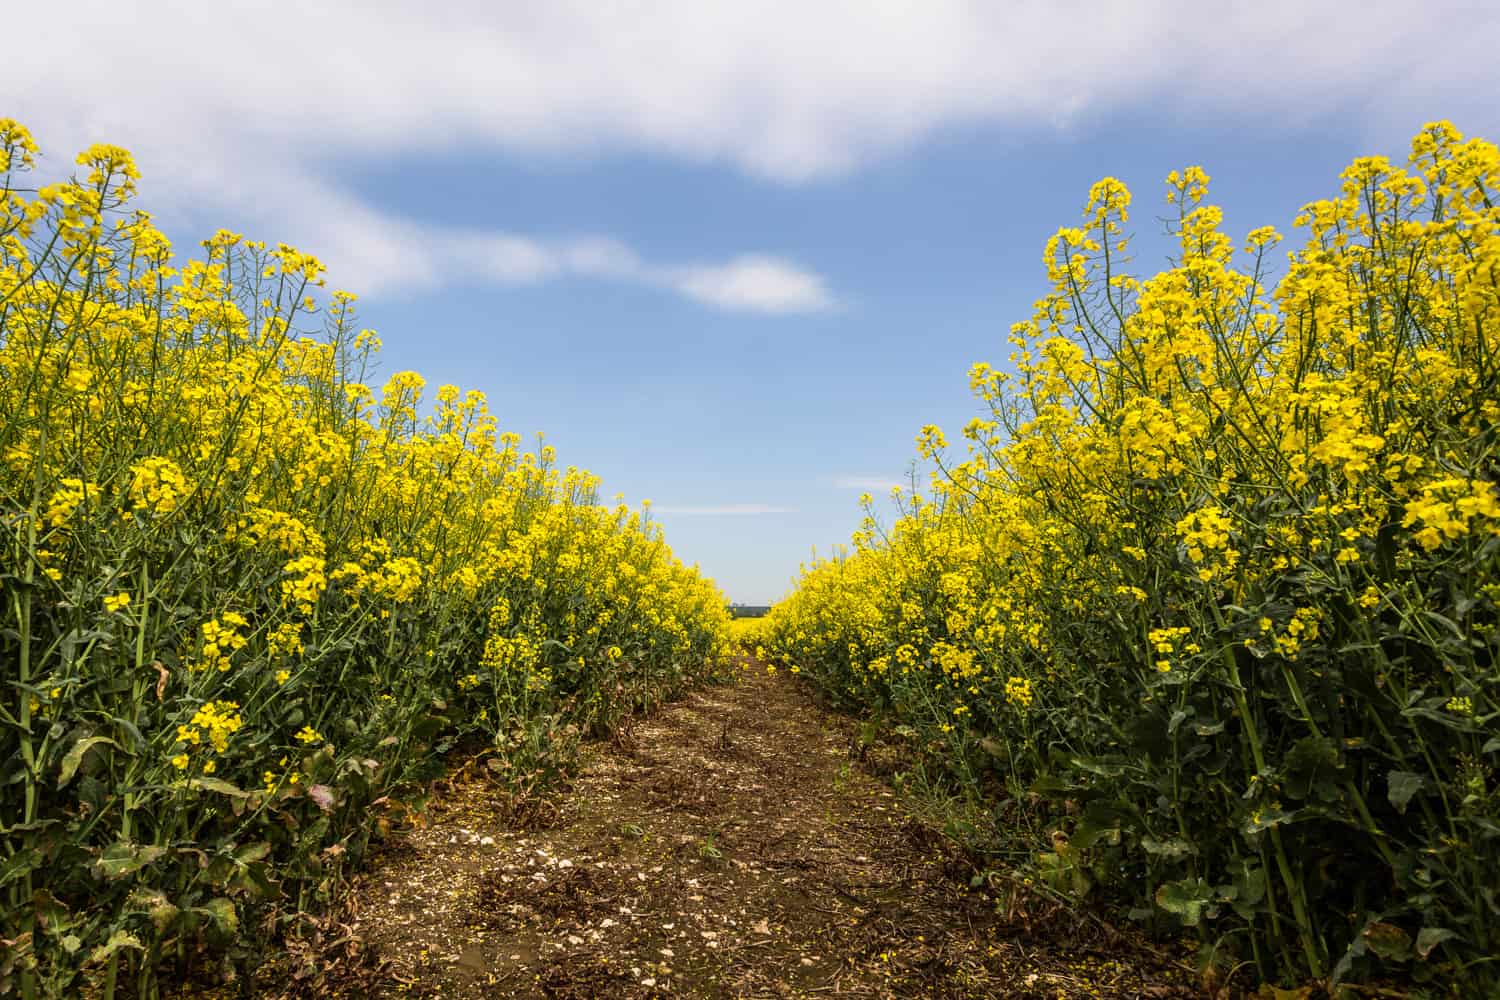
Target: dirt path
<point>729,846</point>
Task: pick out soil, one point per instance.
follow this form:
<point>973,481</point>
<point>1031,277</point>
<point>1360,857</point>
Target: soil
<point>730,845</point>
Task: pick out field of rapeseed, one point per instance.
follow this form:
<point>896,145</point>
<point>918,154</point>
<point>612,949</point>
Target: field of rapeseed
<point>1206,613</point>
<point>247,597</point>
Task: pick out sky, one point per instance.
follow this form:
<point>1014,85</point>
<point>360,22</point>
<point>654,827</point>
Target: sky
<point>729,256</point>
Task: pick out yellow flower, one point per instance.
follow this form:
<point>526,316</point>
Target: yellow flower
<point>1461,705</point>
<point>117,602</point>
<point>1018,692</point>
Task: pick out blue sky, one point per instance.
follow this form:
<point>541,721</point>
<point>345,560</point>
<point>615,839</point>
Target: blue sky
<point>730,260</point>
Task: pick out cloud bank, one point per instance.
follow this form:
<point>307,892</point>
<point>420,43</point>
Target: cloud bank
<point>239,105</point>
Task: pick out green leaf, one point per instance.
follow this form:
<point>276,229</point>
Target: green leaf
<point>1100,768</point>
<point>1249,885</point>
<point>1388,941</point>
<point>74,757</point>
<point>18,864</point>
<point>1264,819</point>
<point>51,915</point>
<point>1429,938</point>
<point>1172,847</point>
<point>257,851</point>
<point>1400,787</point>
<point>220,786</point>
<point>223,913</point>
<point>1186,898</point>
<point>1312,765</point>
<point>120,859</point>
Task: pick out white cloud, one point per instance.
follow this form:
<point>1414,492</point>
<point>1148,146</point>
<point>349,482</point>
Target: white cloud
<point>754,282</point>
<point>869,484</point>
<point>723,509</point>
<point>235,104</point>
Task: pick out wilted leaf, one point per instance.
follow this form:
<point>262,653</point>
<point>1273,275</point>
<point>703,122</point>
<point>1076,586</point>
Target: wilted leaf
<point>117,940</point>
<point>74,757</point>
<point>1388,941</point>
<point>162,676</point>
<point>220,786</point>
<point>156,905</point>
<point>322,795</point>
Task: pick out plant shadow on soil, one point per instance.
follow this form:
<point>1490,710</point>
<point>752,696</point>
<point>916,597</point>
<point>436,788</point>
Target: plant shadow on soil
<point>730,845</point>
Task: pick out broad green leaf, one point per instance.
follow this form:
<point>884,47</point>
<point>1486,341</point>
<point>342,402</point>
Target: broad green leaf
<point>252,852</point>
<point>223,913</point>
<point>1388,941</point>
<point>1186,898</point>
<point>1429,938</point>
<point>1250,880</point>
<point>1177,719</point>
<point>1400,787</point>
<point>120,859</point>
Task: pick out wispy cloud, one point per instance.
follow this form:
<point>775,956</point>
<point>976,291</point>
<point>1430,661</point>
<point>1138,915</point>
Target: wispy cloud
<point>360,256</point>
<point>714,510</point>
<point>872,484</point>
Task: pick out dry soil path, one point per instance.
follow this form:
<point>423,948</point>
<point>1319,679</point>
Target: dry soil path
<point>728,846</point>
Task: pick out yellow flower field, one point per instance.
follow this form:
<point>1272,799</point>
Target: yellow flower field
<point>249,597</point>
<point>1205,614</point>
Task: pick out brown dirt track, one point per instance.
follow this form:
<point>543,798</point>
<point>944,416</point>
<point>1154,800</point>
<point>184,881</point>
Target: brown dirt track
<point>730,845</point>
